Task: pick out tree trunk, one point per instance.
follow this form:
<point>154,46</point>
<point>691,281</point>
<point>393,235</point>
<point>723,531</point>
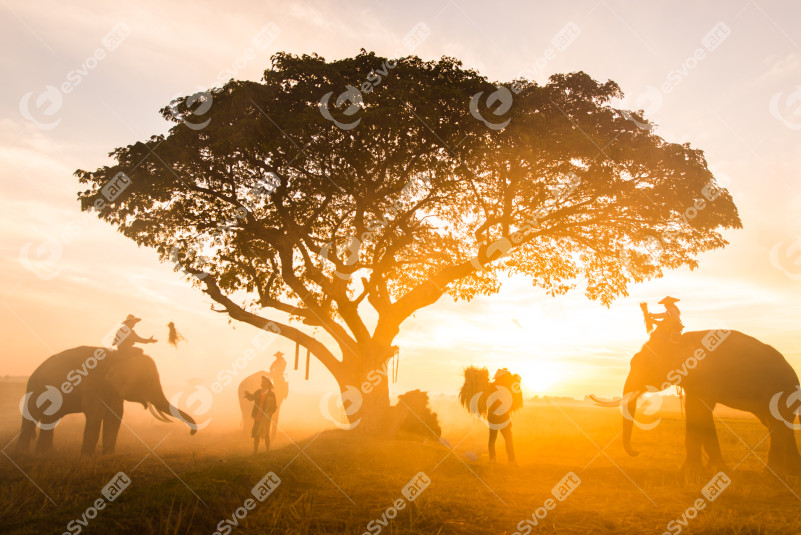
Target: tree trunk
<point>364,385</point>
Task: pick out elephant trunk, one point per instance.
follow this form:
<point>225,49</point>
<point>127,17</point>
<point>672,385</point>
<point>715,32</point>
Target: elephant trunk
<point>164,406</point>
<point>629,406</point>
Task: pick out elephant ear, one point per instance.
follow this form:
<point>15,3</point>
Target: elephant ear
<point>128,374</point>
<point>660,357</point>
<point>117,377</point>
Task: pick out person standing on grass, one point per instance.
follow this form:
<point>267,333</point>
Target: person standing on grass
<point>264,406</point>
<point>507,398</point>
<point>493,401</point>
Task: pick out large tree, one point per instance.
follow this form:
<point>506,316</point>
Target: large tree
<point>347,195</point>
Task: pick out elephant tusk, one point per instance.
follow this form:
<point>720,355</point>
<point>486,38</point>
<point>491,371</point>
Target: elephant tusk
<point>180,415</point>
<point>158,415</point>
<point>604,402</point>
<point>166,418</point>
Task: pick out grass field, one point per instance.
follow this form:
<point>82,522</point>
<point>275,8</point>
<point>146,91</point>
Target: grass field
<point>338,481</point>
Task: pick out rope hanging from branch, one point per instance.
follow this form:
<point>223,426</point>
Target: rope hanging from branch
<point>308,353</point>
<point>396,362</point>
<point>297,353</point>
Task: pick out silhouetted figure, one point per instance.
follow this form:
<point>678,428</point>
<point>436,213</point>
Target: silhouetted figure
<point>263,408</point>
<point>668,323</point>
<point>493,401</point>
<point>280,387</point>
<point>249,384</point>
<point>499,412</point>
<point>126,337</point>
<point>174,337</point>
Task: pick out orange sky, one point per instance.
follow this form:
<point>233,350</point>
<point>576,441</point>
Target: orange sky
<point>66,279</point>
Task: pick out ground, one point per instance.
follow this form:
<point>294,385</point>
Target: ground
<point>338,481</point>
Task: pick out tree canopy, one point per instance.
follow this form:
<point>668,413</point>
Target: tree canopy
<point>328,186</point>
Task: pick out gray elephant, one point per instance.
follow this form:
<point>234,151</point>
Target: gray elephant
<point>726,367</point>
<point>95,381</point>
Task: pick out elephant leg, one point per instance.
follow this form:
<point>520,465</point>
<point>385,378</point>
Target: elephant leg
<point>695,411</point>
<point>111,425</point>
<point>710,438</point>
<point>44,444</point>
<point>793,457</point>
<point>91,431</point>
<point>26,435</point>
<point>789,461</point>
<point>774,449</point>
<point>783,456</point>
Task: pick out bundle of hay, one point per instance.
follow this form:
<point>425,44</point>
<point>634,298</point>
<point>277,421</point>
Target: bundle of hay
<point>412,417</point>
<point>476,387</point>
<point>509,383</point>
<point>477,391</point>
<point>174,337</point>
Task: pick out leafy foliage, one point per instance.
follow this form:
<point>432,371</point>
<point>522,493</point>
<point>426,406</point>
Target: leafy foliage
<point>414,201</point>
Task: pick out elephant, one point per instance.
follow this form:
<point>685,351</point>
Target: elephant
<point>251,383</point>
<point>95,381</point>
<point>718,366</point>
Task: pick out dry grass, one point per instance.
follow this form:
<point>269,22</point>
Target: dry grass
<point>338,482</point>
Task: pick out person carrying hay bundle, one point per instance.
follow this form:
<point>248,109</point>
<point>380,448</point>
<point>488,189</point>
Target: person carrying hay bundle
<point>493,402</point>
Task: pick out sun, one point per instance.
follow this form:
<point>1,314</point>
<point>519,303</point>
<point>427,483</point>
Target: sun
<point>539,376</point>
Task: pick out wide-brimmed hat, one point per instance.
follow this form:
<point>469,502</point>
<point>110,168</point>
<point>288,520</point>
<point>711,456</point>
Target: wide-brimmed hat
<point>265,378</point>
<point>668,300</point>
<point>132,319</point>
<point>278,354</point>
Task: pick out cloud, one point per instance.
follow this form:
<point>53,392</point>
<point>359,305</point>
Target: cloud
<point>780,67</point>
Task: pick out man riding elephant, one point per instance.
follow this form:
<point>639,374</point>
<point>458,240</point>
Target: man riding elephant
<point>668,323</point>
<point>126,337</point>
